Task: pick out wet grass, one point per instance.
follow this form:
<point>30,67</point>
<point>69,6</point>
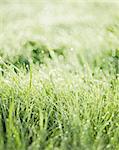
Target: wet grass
<point>59,70</point>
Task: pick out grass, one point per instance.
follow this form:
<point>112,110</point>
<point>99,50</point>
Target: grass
<point>59,75</point>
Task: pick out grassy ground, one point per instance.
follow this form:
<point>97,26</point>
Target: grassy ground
<point>59,87</point>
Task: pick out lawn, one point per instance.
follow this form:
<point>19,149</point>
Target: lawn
<point>59,75</point>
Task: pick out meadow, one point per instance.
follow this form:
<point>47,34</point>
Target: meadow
<point>59,75</point>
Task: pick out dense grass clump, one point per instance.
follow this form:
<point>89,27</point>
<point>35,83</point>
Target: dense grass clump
<point>108,62</point>
<point>44,116</point>
<point>59,75</point>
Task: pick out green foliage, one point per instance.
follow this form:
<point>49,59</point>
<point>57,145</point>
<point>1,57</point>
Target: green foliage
<point>38,51</point>
<point>108,62</point>
<point>21,61</point>
<point>48,118</point>
<point>38,55</point>
<point>61,51</point>
<point>59,75</point>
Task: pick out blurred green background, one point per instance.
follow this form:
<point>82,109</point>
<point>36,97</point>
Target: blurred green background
<point>85,28</point>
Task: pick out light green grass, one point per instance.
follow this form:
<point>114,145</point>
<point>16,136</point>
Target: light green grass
<point>59,69</point>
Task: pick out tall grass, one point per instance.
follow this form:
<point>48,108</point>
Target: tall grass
<point>59,75</point>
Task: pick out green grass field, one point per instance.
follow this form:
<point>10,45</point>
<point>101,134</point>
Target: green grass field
<point>59,75</point>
